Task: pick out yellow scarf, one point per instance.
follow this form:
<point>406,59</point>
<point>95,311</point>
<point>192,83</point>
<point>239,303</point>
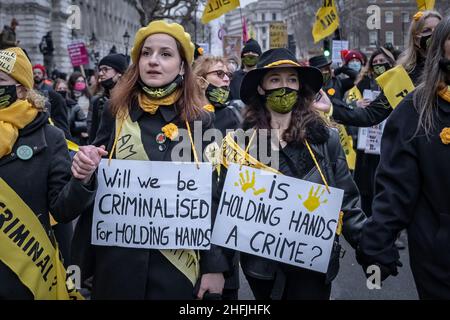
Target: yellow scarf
<point>13,118</point>
<point>445,94</point>
<point>151,105</point>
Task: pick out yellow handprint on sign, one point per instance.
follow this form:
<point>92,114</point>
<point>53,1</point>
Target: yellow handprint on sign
<point>313,201</point>
<point>246,183</point>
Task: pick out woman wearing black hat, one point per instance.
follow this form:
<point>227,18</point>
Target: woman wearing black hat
<point>279,94</point>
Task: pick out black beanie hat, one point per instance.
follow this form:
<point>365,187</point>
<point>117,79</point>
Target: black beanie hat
<point>118,62</point>
<point>253,46</point>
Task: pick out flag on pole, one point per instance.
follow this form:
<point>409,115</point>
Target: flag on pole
<point>423,5</point>
<point>327,21</point>
<point>216,8</point>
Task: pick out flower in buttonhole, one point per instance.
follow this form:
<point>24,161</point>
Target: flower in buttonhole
<point>445,136</point>
<point>170,131</point>
<point>209,108</point>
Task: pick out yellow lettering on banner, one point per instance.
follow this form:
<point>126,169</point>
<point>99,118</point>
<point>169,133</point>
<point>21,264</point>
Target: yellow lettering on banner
<point>327,21</point>
<point>216,8</point>
<point>423,5</point>
<point>27,250</point>
<point>396,85</point>
<point>347,145</point>
<point>7,61</point>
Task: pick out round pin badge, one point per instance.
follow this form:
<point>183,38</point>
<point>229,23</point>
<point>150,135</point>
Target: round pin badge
<point>24,153</point>
<point>161,138</point>
<point>162,147</point>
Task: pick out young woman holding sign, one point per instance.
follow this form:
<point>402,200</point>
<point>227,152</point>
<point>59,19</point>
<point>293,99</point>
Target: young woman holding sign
<point>412,179</point>
<point>279,94</point>
<point>35,181</point>
<point>155,97</point>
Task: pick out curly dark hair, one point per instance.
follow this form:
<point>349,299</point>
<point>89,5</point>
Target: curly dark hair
<point>304,117</point>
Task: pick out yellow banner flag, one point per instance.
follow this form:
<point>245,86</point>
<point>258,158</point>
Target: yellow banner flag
<point>216,8</point>
<point>423,5</point>
<point>327,21</point>
<point>347,145</point>
<point>396,84</point>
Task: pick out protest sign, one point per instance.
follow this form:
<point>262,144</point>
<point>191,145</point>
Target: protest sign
<point>338,46</point>
<point>278,35</point>
<point>231,46</point>
<point>153,205</point>
<point>277,217</point>
<point>78,53</point>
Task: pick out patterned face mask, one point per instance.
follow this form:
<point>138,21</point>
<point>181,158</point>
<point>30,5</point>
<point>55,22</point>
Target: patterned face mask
<point>218,96</point>
<point>162,92</point>
<point>8,95</point>
<point>250,61</point>
<point>281,100</point>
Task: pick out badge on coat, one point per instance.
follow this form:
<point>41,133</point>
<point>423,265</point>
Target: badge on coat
<point>24,153</point>
<point>161,140</point>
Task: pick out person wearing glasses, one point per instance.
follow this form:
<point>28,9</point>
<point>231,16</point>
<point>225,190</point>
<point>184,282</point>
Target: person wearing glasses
<point>111,68</point>
<point>214,77</point>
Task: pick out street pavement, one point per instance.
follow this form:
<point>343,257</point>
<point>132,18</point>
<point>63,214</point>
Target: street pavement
<point>350,283</point>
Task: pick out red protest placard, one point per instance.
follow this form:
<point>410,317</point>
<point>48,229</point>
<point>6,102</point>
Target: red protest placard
<point>78,53</point>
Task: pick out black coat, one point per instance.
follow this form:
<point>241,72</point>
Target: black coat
<point>129,273</point>
<point>411,191</point>
<point>45,184</point>
<point>77,120</point>
<point>98,105</point>
<point>328,151</point>
<point>235,85</point>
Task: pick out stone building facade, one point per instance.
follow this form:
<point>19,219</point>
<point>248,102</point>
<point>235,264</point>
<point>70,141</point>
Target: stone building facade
<point>106,20</point>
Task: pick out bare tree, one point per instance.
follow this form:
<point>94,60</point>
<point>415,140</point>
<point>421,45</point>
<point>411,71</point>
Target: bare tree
<point>181,11</point>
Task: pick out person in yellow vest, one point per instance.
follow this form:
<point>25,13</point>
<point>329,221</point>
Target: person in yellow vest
<point>279,95</point>
<point>412,179</point>
<point>412,60</point>
<point>35,180</point>
<point>153,100</point>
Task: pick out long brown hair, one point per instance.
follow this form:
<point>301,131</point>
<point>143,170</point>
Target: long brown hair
<point>408,59</point>
<point>425,96</point>
<point>304,116</point>
<point>127,90</point>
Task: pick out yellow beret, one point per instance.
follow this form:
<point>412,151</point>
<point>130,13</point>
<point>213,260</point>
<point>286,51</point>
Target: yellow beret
<point>173,29</point>
<point>15,63</point>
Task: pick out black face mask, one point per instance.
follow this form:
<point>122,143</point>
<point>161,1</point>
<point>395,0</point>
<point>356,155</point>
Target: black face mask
<point>108,84</point>
<point>8,95</point>
<point>379,69</point>
<point>63,93</point>
<point>425,42</point>
<point>162,92</point>
<point>218,96</point>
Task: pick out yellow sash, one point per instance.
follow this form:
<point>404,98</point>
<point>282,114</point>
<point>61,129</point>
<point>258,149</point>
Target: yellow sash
<point>347,145</point>
<point>130,147</point>
<point>27,250</point>
<point>396,84</point>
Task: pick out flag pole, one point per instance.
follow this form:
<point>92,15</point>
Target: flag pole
<point>242,22</point>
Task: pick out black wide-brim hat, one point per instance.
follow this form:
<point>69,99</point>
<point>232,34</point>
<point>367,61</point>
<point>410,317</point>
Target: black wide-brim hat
<point>278,58</point>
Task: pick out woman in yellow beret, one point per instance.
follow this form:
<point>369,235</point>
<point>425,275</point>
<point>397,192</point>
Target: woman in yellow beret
<point>153,101</point>
<point>35,179</point>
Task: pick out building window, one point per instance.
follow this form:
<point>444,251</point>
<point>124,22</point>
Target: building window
<point>390,37</point>
<point>389,17</point>
<point>405,17</point>
<point>274,16</point>
<point>373,38</point>
<point>264,43</point>
<point>263,17</point>
<point>263,30</point>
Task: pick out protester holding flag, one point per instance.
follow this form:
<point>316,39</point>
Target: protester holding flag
<point>249,58</point>
<point>412,61</point>
<point>279,95</point>
<point>35,181</point>
<point>412,180</point>
<point>380,61</point>
<point>155,99</point>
